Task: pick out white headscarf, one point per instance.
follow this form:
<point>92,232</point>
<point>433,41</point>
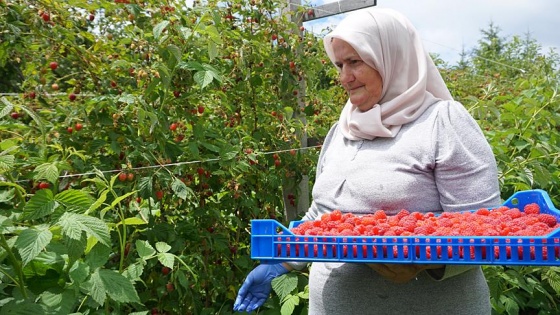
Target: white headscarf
<point>388,42</point>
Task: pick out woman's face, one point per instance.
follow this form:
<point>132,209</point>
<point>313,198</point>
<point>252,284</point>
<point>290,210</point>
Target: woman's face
<point>362,82</point>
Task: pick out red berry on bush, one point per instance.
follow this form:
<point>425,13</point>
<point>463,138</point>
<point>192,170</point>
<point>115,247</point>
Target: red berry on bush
<point>78,126</point>
<point>170,287</point>
<point>72,97</point>
<point>122,176</point>
<point>14,115</point>
<point>53,65</point>
<point>159,195</point>
<point>43,185</point>
<point>165,270</point>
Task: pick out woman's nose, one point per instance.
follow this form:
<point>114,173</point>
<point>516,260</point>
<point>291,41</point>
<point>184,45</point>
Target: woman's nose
<point>345,76</point>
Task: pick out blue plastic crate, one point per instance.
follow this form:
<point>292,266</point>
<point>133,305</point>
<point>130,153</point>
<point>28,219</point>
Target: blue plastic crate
<point>271,241</point>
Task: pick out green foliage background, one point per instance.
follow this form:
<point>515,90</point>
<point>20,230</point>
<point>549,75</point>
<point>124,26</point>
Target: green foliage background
<point>130,172</point>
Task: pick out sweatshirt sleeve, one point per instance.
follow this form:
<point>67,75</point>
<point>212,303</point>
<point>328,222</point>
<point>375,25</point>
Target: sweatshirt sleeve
<point>466,171</point>
<point>465,167</point>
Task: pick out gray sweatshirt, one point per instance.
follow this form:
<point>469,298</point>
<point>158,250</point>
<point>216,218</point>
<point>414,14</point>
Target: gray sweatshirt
<point>439,162</point>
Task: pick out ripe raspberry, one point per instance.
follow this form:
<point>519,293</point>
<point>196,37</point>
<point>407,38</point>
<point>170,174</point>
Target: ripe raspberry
<point>336,215</point>
<point>549,219</point>
<point>482,211</point>
<point>532,208</point>
<point>369,220</point>
<point>380,215</point>
<point>514,213</point>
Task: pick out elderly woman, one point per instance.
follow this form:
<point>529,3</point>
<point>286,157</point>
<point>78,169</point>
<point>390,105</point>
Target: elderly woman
<point>401,142</point>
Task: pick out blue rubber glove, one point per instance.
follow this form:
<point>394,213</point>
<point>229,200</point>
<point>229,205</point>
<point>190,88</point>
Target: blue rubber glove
<point>257,286</point>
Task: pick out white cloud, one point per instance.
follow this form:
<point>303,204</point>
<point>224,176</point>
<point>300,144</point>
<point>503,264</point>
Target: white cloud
<point>449,26</point>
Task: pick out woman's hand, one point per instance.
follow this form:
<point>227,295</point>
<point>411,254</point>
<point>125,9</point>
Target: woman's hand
<point>401,273</point>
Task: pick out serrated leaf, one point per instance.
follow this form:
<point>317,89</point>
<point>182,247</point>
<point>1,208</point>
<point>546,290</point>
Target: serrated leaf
<point>134,272</point>
<point>185,32</point>
<point>6,108</point>
<point>166,259</point>
<point>98,202</point>
<point>285,284</point>
<point>95,287</point>
<point>19,307</point>
<point>31,242</point>
<point>5,223</point>
<point>203,78</point>
<point>94,227</point>
<point>212,50</point>
<point>63,302</point>
<point>510,305</point>
<point>180,189</point>
<point>79,272</point>
<point>118,287</point>
<point>117,201</point>
<point>144,249</point>
<point>48,171</point>
<point>162,247</point>
<point>6,162</point>
<point>289,304</point>
<point>159,28</point>
<point>126,98</point>
<point>75,199</point>
<point>41,204</point>
<point>98,256</point>
<point>145,186</point>
<point>175,51</point>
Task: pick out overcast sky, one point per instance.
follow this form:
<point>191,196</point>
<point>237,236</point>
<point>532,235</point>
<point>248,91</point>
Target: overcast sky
<point>446,26</point>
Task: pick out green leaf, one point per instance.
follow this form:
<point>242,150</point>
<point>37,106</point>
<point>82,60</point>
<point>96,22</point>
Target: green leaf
<point>75,199</point>
<point>31,242</point>
<point>180,189</point>
<point>145,186</point>
<point>79,272</point>
<point>166,259</point>
<point>95,287</point>
<point>6,108</point>
<point>175,52</point>
<point>5,223</point>
<point>134,271</point>
<point>289,304</point>
<point>162,247</point>
<point>116,202</point>
<point>21,307</point>
<point>133,221</point>
<point>62,303</point>
<point>285,284</point>
<point>41,204</point>
<point>98,256</point>
<point>76,247</point>
<point>510,305</point>
<point>118,287</point>
<point>6,162</point>
<point>72,224</point>
<point>48,171</point>
<point>100,200</point>
<point>144,249</point>
<point>203,78</point>
<point>159,28</point>
<point>185,32</point>
<point>212,50</point>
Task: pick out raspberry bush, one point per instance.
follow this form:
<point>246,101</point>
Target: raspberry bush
<point>139,138</point>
